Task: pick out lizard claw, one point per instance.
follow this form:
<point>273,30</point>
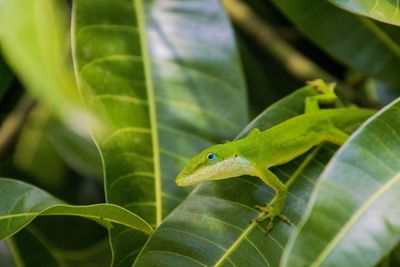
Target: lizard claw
<point>271,212</point>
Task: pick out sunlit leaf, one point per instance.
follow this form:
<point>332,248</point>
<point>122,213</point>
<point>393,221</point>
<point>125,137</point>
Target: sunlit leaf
<point>354,218</point>
<point>383,10</point>
<point>164,76</point>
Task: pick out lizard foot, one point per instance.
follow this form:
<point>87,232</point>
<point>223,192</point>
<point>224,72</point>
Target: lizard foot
<point>321,86</point>
<point>270,212</point>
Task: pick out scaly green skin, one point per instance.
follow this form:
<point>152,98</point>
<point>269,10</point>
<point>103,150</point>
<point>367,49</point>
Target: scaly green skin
<point>257,152</point>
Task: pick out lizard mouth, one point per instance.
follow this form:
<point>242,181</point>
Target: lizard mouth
<point>187,180</point>
<point>231,167</point>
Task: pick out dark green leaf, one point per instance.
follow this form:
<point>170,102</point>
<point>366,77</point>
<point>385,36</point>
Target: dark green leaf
<point>211,227</point>
<point>29,250</point>
<point>368,46</point>
<point>354,218</point>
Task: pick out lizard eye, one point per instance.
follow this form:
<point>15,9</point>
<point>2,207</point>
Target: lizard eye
<point>211,157</point>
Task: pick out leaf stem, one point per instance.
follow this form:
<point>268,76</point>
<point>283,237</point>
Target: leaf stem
<point>13,123</point>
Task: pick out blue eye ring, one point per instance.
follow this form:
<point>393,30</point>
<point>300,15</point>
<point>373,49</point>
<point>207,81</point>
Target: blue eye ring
<point>211,157</point>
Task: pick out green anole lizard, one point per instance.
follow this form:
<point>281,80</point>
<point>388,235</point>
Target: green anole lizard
<point>258,151</point>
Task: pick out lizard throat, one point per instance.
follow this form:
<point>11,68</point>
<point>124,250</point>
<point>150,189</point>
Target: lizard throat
<point>231,167</point>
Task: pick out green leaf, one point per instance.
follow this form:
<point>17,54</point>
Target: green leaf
<point>383,10</point>
<point>211,227</point>
<point>165,78</point>
<point>33,39</point>
<point>368,46</point>
<point>354,218</point>
<point>21,203</point>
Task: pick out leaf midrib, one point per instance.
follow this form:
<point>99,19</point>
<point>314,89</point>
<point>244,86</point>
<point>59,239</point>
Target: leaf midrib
<point>354,218</point>
<point>140,11</point>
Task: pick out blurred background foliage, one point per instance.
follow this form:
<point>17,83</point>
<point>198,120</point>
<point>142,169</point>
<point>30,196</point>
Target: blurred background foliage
<point>280,49</point>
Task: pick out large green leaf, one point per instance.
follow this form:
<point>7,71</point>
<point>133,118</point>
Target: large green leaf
<point>21,203</point>
<point>33,39</point>
<point>162,97</point>
<point>211,227</point>
<point>383,10</point>
<point>354,219</point>
<point>368,46</point>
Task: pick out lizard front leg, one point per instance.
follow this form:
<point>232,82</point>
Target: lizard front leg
<point>274,208</point>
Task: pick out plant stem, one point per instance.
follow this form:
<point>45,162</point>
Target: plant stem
<point>13,123</point>
<point>300,66</point>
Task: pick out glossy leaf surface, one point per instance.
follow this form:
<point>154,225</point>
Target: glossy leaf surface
<point>363,44</point>
<point>383,10</point>
<point>166,85</point>
<point>211,227</point>
<point>361,187</point>
<point>21,203</point>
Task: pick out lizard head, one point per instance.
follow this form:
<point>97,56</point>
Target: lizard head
<point>217,162</point>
